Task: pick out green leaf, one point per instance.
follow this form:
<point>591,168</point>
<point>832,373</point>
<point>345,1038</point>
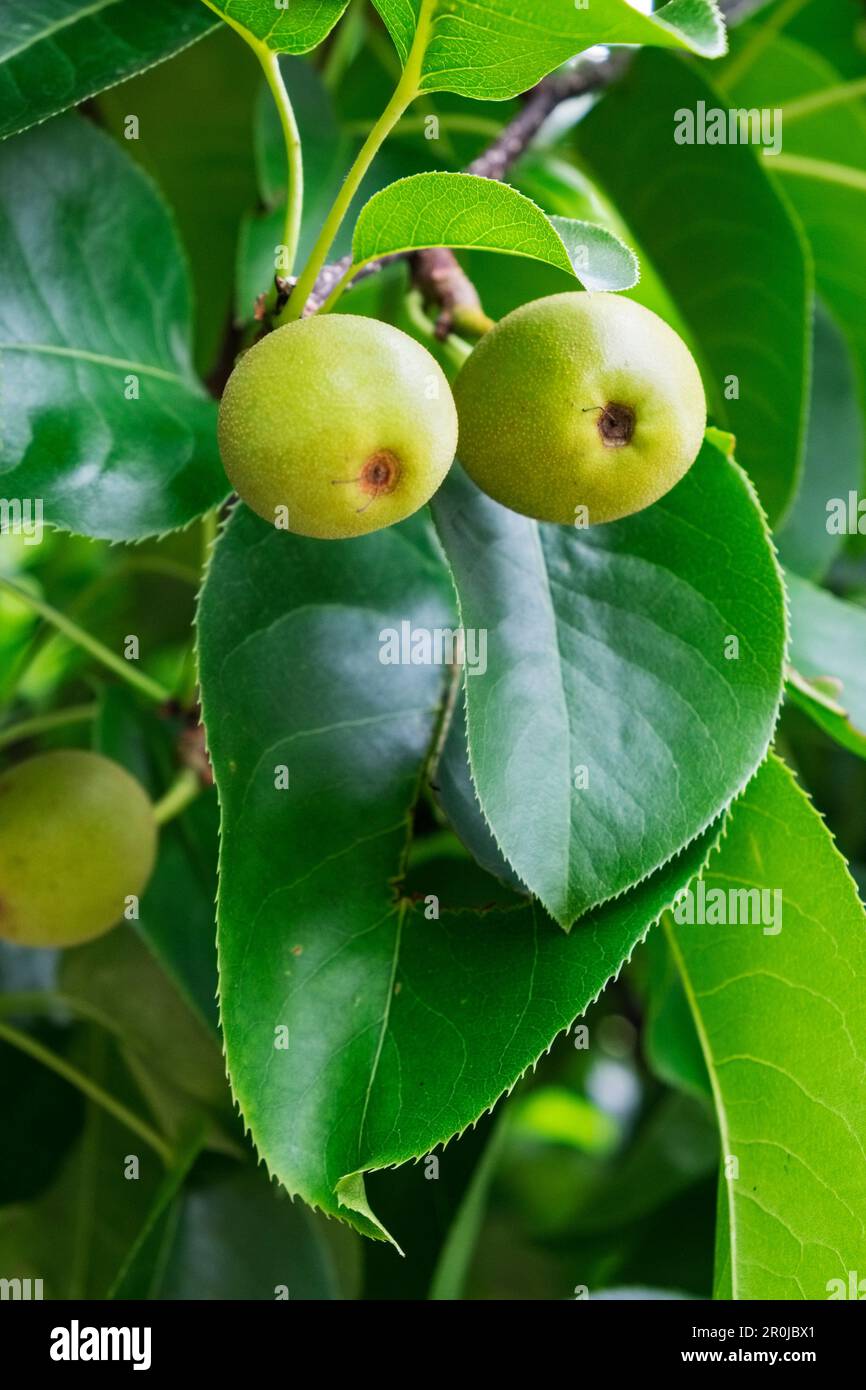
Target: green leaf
<point>467,212</point>
<point>94,305</point>
<point>207,177</point>
<point>737,266</point>
<point>782,1024</point>
<point>401,1030</point>
<point>822,170</point>
<point>605,641</point>
<point>495,49</point>
<point>174,1058</point>
<point>293,28</point>
<point>68,50</point>
<point>834,455</point>
<point>828,640</point>
<point>233,1237</point>
<point>459,800</point>
<point>79,1258</point>
<point>176,913</point>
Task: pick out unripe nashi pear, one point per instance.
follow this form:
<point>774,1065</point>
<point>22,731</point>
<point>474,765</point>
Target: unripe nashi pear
<point>336,426</point>
<point>77,838</point>
<point>580,400</point>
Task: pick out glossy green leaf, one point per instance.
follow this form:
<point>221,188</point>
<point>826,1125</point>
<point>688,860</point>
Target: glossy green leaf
<point>782,1020</point>
<point>737,266</point>
<point>467,212</point>
<point>60,52</point>
<point>103,416</point>
<point>828,646</point>
<point>611,727</point>
<point>821,168</point>
<point>495,49</point>
<point>295,27</point>
<point>401,1029</point>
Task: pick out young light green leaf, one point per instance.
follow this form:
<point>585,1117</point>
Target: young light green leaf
<point>60,52</point>
<point>464,211</point>
<point>296,27</point>
<point>738,267</point>
<point>599,258</point>
<point>664,632</point>
<point>103,416</point>
<point>782,1022</point>
<point>360,1030</point>
<point>495,49</point>
<point>828,680</point>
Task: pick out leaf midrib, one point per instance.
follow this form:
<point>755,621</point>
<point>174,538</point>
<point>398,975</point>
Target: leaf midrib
<point>45,34</point>
<point>101,360</point>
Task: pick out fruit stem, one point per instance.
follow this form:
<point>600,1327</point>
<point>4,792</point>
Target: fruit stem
<point>456,349</point>
<point>270,63</point>
<point>180,794</point>
<point>29,728</point>
<point>292,138</point>
<point>83,639</point>
<point>404,94</point>
<point>25,1043</point>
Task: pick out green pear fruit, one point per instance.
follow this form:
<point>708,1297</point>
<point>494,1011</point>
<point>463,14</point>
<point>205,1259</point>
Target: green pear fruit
<point>77,837</point>
<point>336,426</point>
<point>582,400</point>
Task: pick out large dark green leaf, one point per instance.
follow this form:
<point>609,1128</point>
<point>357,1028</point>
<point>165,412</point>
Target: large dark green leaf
<point>494,49</point>
<point>737,266</point>
<point>614,723</point>
<point>782,1019</point>
<point>59,52</point>
<point>822,169</point>
<point>94,305</point>
<point>402,1029</point>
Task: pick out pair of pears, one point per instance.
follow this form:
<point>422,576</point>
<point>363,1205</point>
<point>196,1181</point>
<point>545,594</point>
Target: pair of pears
<point>581,405</point>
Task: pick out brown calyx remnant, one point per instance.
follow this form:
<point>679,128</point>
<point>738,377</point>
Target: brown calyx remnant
<point>380,473</point>
<point>616,425</point>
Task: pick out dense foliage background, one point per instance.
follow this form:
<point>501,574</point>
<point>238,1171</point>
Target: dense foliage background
<point>686,1109</point>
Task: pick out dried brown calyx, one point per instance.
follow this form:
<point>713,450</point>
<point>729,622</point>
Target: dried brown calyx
<point>380,473</point>
<point>616,425</point>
